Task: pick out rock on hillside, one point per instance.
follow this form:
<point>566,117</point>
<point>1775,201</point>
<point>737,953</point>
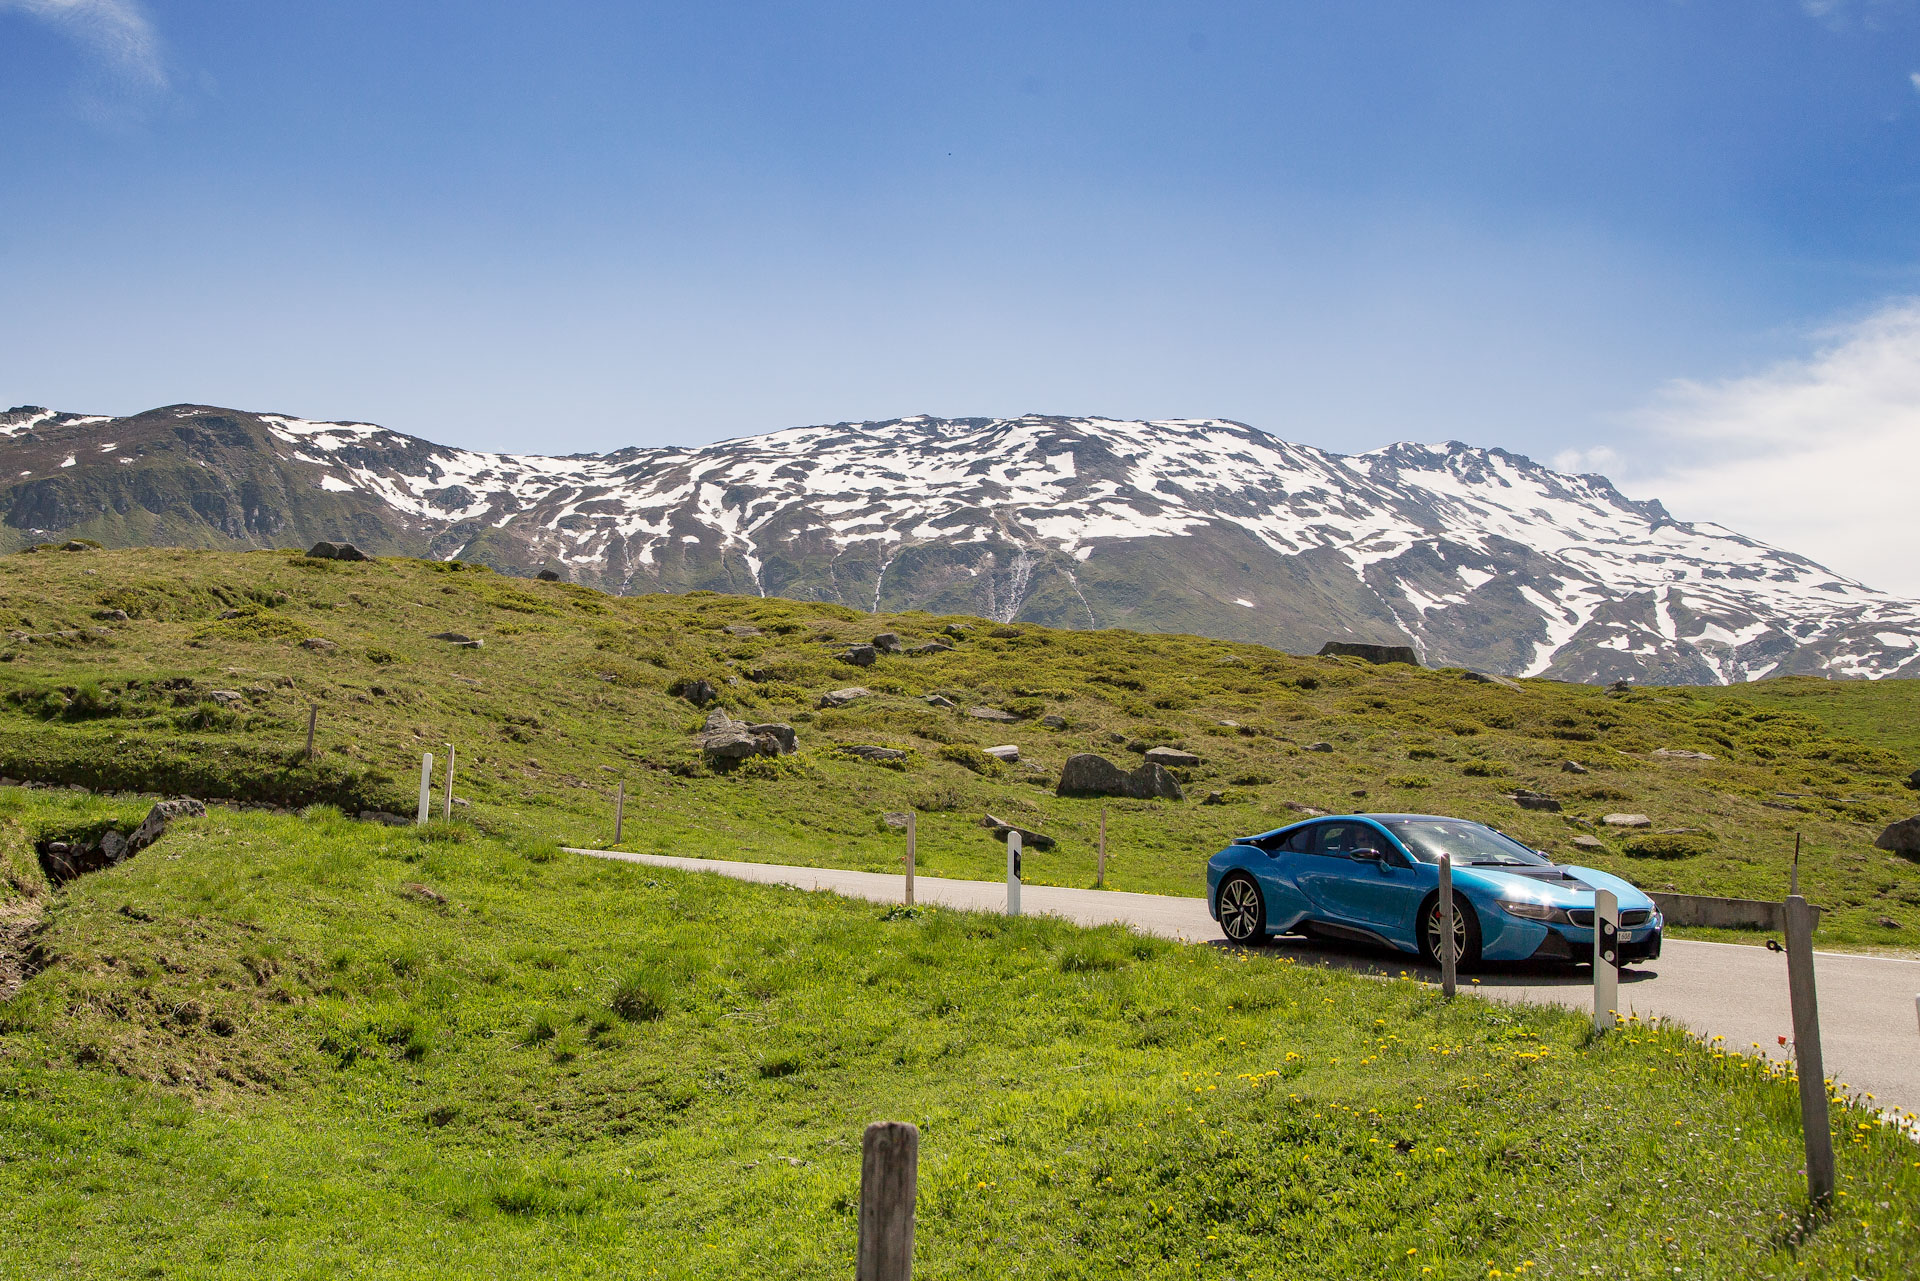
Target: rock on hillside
<point>1470,557</point>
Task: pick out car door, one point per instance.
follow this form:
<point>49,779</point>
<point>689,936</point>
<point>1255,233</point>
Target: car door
<point>1381,894</point>
<point>1279,878</point>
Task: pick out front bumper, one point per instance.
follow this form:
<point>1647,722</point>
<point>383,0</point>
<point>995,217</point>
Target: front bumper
<point>1572,944</point>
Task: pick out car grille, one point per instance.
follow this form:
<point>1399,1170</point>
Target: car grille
<point>1583,916</point>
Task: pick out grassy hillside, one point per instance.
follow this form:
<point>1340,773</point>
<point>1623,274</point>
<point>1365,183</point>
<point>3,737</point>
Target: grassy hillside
<point>307,1047</point>
<point>207,684</point>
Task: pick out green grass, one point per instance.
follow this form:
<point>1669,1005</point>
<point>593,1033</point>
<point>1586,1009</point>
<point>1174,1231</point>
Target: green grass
<point>569,698</point>
<point>307,1047</point>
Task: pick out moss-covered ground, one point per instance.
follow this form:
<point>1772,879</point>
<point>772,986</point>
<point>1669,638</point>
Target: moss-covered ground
<point>308,1047</point>
<point>205,688</point>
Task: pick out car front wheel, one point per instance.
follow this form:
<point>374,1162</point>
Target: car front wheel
<point>1243,912</point>
<point>1466,931</point>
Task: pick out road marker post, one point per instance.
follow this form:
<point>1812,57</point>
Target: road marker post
<point>1013,873</point>
<point>912,833</point>
<point>619,811</point>
<point>426,788</point>
<point>1606,959</point>
<point>1808,1066</point>
<point>1100,864</point>
<point>446,805</point>
<point>889,1184</point>
<point>1448,962</point>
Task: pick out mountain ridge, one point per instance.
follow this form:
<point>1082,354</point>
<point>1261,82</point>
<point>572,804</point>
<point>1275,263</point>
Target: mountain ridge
<point>1476,557</point>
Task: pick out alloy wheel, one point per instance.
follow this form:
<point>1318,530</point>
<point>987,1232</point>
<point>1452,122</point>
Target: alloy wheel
<point>1240,909</point>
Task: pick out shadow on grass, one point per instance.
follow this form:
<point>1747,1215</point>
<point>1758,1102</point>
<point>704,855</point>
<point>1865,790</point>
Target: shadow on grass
<point>1360,958</point>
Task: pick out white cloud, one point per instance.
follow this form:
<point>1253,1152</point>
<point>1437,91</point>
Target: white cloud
<point>1596,458</point>
<point>115,30</point>
<point>1819,456</point>
<point>1915,77</point>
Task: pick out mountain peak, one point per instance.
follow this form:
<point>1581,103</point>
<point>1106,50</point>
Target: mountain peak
<point>1477,557</point>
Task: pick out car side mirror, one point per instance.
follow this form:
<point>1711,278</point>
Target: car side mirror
<point>1369,856</point>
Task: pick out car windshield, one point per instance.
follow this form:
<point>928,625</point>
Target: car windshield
<point>1470,844</point>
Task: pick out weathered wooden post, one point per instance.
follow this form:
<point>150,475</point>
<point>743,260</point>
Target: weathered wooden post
<point>1100,864</point>
<point>1448,961</point>
<point>1806,1049</point>
<point>889,1182</point>
<point>1606,959</point>
<point>446,805</point>
<point>313,719</point>
<point>1013,873</point>
<point>619,811</point>
<point>426,788</point>
<point>912,831</point>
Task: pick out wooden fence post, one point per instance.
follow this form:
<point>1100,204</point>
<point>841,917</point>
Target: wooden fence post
<point>446,805</point>
<point>1606,959</point>
<point>313,719</point>
<point>1013,873</point>
<point>1100,864</point>
<point>889,1182</point>
<point>619,811</point>
<point>426,788</point>
<point>1448,962</point>
<point>912,833</point>
<point>1806,1049</point>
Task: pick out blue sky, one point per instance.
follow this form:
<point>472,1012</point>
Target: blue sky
<point>1585,232</point>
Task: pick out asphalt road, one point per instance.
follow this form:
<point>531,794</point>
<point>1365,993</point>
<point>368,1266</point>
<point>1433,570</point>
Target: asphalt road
<point>1870,1032</point>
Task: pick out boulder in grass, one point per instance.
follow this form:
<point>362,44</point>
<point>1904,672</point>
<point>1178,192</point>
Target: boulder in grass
<point>1008,752</point>
<point>888,643</point>
<point>548,576</point>
<point>1086,774</point>
<point>860,655</point>
<point>1318,747</point>
<point>1029,839</point>
<point>1627,820</point>
<point>319,644</point>
<point>1172,757</point>
<point>1487,678</point>
<point>1054,722</point>
<point>992,714</point>
<point>941,700</point>
<point>1589,843</point>
<point>1535,801</point>
<point>698,692</point>
<point>335,551</point>
<point>159,818</point>
<point>1902,838</point>
<point>1371,653</point>
<point>1913,779</point>
<point>873,752</point>
<point>781,733</point>
<point>1681,754</point>
<point>723,740</point>
<point>1573,767</point>
<point>744,631</point>
<point>841,697</point>
<point>931,647</point>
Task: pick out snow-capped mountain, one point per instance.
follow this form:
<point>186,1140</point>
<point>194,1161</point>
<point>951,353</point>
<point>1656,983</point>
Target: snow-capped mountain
<point>1476,557</point>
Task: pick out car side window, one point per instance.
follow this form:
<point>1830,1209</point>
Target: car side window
<point>1298,841</point>
<point>1334,840</point>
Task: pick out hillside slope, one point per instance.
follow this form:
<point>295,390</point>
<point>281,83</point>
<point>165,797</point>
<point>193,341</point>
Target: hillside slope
<point>310,1048</point>
<point>1476,557</point>
<point>206,685</point>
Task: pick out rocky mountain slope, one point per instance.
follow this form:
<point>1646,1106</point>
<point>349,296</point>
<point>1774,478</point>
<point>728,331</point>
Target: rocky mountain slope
<point>1476,557</point>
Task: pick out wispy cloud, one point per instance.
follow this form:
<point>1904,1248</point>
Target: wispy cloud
<point>1819,455</point>
<point>115,31</point>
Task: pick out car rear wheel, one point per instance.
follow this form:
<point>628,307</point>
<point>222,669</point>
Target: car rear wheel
<point>1243,910</point>
<point>1466,931</point>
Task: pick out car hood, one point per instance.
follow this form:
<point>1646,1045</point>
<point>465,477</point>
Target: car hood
<point>1558,884</point>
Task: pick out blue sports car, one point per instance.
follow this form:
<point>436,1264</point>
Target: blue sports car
<point>1375,878</point>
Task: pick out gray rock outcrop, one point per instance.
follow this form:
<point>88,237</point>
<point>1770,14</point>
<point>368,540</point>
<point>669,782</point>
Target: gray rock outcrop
<point>725,740</point>
<point>1902,838</point>
<point>1029,839</point>
<point>335,551</point>
<point>1086,774</point>
<point>158,819</point>
<point>992,714</point>
<point>860,655</point>
<point>841,697</point>
<point>1371,653</point>
<point>1172,757</point>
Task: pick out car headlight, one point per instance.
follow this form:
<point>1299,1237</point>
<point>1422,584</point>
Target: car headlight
<point>1536,911</point>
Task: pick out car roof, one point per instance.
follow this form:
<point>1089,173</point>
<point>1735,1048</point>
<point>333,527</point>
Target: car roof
<point>1364,818</point>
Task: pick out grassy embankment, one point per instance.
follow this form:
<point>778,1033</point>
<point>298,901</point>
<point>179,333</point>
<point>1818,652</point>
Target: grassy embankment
<point>307,1047</point>
<point>570,695</point>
